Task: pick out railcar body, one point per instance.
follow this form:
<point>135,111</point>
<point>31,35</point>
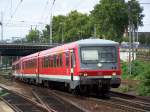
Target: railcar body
<point>82,65</point>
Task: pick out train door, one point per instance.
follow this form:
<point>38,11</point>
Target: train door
<point>72,63</point>
<point>21,70</point>
<point>37,70</point>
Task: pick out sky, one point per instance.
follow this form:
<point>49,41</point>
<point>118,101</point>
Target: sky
<point>20,15</point>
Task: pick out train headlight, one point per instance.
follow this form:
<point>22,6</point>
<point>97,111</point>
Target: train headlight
<point>81,74</point>
<point>85,74</point>
<point>99,65</point>
<point>114,74</point>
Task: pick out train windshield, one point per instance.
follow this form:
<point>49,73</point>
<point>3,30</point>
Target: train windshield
<point>98,54</point>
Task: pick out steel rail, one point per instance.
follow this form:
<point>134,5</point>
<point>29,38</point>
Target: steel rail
<point>13,107</point>
<point>109,102</point>
<point>34,103</point>
<point>55,99</point>
<point>42,102</point>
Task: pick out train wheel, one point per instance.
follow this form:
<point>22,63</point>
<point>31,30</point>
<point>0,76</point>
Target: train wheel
<point>84,89</point>
<point>103,91</point>
<point>46,84</point>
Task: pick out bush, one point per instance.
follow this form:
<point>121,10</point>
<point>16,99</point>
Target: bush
<point>124,68</point>
<point>144,87</point>
<point>137,69</point>
<point>140,71</point>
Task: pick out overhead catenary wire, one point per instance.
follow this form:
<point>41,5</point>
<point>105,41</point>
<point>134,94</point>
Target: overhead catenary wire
<point>51,7</point>
<point>13,14</point>
<point>51,23</point>
<point>44,10</point>
<point>144,3</point>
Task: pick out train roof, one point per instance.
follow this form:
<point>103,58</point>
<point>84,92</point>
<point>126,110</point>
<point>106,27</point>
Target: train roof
<point>15,62</point>
<point>30,56</point>
<point>69,46</point>
<point>95,41</point>
<point>79,42</point>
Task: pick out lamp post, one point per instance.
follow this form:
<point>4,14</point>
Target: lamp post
<point>1,23</point>
<point>51,23</point>
<point>62,32</point>
<point>50,28</point>
<point>130,40</point>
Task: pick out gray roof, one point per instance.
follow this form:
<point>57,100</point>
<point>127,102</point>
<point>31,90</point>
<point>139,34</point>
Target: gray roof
<point>96,41</point>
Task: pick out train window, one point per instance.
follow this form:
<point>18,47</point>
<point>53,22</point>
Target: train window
<point>98,54</point>
<point>17,66</point>
<point>46,62</point>
<point>29,64</point>
<point>73,58</point>
<point>22,65</point>
<point>51,61</point>
<point>67,59</point>
<point>108,54</point>
<point>55,60</point>
<point>89,55</point>
<point>13,67</point>
<point>42,60</point>
<point>60,56</point>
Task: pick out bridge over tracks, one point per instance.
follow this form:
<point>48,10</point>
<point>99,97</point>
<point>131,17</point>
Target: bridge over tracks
<point>12,49</point>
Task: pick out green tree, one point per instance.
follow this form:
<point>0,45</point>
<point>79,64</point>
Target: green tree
<point>33,36</point>
<point>46,34</point>
<point>142,38</point>
<point>58,23</point>
<point>77,26</point>
<point>111,18</point>
<point>144,87</point>
<point>135,11</point>
<point>58,27</point>
<point>72,27</point>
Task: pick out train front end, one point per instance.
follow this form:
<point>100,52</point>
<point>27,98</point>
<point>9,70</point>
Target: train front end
<point>99,65</point>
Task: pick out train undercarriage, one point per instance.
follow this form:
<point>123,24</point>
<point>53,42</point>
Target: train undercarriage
<point>100,87</point>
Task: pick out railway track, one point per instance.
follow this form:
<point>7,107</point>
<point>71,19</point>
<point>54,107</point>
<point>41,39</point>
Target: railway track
<point>120,101</point>
<point>140,104</point>
<point>21,103</point>
<point>54,102</point>
<point>143,58</point>
<point>131,97</point>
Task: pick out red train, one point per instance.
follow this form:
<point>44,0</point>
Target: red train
<point>81,66</point>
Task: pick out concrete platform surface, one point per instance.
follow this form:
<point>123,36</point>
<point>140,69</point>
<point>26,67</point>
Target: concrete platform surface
<point>4,107</point>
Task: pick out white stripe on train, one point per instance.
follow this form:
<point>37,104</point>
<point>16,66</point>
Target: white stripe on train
<point>61,76</point>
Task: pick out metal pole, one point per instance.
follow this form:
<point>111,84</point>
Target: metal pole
<point>51,23</point>
<point>11,9</point>
<point>50,28</point>
<point>137,33</point>
<point>62,34</point>
<point>129,47</point>
<point>1,26</point>
<point>1,60</point>
<point>133,41</point>
<point>95,31</point>
<point>130,35</point>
